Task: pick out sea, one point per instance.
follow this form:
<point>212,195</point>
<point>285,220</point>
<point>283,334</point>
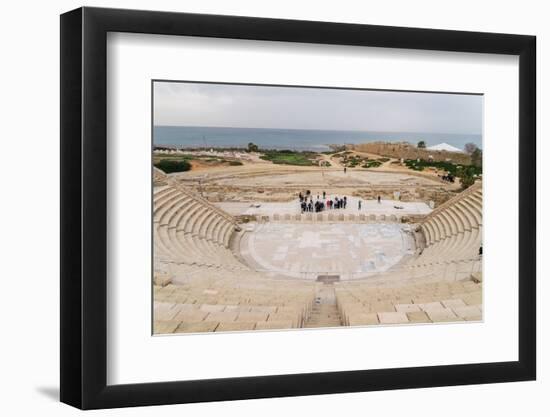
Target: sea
<point>293,139</point>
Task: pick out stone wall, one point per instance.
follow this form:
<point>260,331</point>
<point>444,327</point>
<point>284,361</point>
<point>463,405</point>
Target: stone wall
<point>407,150</point>
<point>437,195</point>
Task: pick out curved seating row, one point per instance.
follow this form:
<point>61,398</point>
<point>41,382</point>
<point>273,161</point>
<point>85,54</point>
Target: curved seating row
<point>453,232</point>
<point>362,303</point>
<point>190,230</point>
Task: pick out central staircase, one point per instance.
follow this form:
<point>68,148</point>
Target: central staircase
<point>324,312</point>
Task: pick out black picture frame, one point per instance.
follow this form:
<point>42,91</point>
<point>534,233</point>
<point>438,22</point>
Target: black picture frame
<point>84,207</point>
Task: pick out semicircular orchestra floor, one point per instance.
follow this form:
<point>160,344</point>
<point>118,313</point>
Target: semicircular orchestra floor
<point>307,251</point>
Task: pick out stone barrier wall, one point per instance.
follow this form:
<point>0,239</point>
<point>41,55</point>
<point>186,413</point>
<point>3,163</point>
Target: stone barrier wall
<point>330,217</point>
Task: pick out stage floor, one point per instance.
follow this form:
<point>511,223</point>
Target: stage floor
<point>307,251</point>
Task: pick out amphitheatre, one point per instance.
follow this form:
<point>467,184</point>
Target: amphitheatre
<point>234,250</point>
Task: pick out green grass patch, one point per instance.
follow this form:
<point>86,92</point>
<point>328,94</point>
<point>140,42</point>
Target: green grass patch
<point>188,157</point>
<point>372,164</point>
<point>352,161</point>
<point>287,157</point>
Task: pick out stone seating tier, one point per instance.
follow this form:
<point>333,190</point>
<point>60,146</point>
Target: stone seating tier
<point>453,232</point>
<point>362,304</point>
<point>189,231</point>
<point>216,300</point>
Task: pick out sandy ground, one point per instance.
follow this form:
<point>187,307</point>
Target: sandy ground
<point>262,171</point>
<point>271,174</point>
<point>262,181</point>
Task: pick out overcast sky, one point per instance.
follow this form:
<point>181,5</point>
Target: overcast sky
<point>221,105</point>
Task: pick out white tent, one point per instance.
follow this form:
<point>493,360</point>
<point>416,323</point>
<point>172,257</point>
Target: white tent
<point>444,147</point>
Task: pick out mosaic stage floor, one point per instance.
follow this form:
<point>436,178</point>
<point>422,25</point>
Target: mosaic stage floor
<point>307,251</point>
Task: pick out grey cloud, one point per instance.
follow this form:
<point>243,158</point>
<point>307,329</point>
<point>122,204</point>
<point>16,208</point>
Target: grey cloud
<point>199,104</point>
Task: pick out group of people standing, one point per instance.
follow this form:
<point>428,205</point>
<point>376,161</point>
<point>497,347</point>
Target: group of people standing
<point>308,205</point>
<point>322,203</point>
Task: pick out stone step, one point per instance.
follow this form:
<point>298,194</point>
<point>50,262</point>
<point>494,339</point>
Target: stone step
<point>324,312</point>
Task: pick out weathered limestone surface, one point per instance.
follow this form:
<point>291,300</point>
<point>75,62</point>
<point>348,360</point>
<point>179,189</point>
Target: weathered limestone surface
<point>393,318</point>
<point>382,276</point>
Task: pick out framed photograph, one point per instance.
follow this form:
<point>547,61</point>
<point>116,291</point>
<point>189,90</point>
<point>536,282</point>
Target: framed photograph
<point>257,208</point>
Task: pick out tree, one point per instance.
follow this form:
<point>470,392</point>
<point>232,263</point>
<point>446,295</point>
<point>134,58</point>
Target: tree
<point>467,181</point>
<point>421,145</point>
<point>252,147</point>
<point>477,157</point>
<point>470,148</point>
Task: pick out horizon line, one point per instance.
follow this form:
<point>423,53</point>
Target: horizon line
<point>320,130</point>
